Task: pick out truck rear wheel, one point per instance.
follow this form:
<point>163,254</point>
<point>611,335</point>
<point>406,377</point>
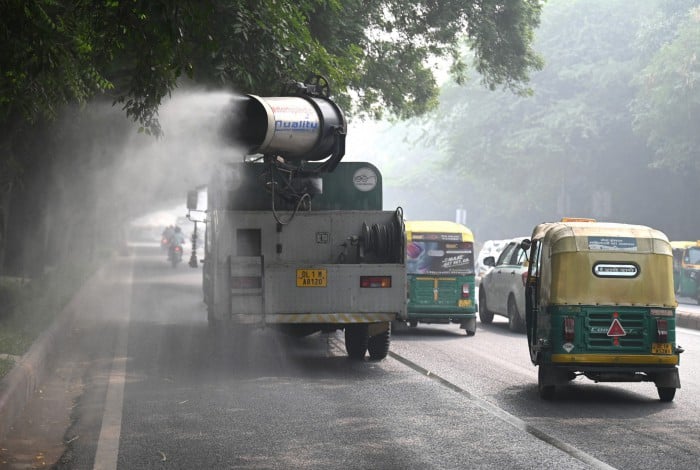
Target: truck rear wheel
<point>356,340</point>
<point>378,345</point>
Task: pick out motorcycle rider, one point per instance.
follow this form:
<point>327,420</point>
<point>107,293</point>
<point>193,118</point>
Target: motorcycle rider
<point>177,239</point>
<point>166,236</point>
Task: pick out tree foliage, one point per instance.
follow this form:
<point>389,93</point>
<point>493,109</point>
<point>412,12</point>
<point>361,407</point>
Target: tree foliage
<point>55,51</point>
<point>667,106</point>
<point>379,56</point>
<point>610,124</point>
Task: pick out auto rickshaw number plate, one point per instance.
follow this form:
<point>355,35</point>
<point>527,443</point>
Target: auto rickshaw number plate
<point>661,348</point>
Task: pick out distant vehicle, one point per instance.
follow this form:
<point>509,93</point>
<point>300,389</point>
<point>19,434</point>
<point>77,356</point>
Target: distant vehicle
<point>490,248</point>
<point>175,242</point>
<point>175,254</point>
<point>440,273</point>
<point>686,269</point>
<point>502,289</point>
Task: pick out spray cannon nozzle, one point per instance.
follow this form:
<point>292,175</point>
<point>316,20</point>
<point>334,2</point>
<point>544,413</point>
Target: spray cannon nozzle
<point>305,127</point>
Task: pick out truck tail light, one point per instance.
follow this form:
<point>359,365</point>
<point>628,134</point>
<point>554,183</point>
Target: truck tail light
<point>465,291</point>
<point>569,329</point>
<point>661,330</point>
<point>375,281</point>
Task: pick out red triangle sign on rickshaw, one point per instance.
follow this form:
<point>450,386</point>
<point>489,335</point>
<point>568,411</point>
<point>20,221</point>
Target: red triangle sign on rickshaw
<point>616,328</point>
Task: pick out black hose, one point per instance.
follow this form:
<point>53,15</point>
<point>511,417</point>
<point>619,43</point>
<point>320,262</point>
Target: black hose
<point>385,241</point>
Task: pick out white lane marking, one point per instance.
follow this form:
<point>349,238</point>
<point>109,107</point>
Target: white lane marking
<point>496,411</point>
<point>687,331</point>
<point>503,415</point>
<point>108,442</point>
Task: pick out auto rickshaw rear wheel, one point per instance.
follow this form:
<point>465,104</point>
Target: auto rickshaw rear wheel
<point>546,392</point>
<point>485,316</point>
<point>666,394</point>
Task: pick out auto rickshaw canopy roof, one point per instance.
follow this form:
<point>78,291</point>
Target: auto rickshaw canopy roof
<point>437,227</point>
<point>576,236</point>
<point>602,263</point>
<point>676,245</point>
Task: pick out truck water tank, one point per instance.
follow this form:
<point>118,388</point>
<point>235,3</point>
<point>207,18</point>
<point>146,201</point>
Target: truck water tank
<point>294,127</point>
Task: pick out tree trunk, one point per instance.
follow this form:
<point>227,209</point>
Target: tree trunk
<point>4,216</point>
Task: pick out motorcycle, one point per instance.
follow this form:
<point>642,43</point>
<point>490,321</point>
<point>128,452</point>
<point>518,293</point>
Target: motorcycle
<point>175,254</point>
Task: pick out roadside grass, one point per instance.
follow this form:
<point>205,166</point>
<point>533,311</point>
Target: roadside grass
<point>29,306</point>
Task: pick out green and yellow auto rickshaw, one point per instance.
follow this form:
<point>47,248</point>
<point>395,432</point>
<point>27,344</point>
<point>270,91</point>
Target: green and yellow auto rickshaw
<point>600,303</point>
<point>686,269</point>
<point>440,273</point>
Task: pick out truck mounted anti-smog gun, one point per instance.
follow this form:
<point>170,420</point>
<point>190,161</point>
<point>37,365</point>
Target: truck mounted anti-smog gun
<point>295,238</point>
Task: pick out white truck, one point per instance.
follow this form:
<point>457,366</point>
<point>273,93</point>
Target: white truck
<point>296,239</point>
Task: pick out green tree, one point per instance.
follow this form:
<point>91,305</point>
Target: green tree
<point>55,52</point>
<point>537,148</point>
<point>667,106</point>
<point>610,120</point>
<point>559,152</point>
<point>378,56</point>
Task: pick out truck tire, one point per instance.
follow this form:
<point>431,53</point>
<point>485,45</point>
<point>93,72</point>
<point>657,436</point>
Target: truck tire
<point>356,340</point>
<point>213,324</point>
<point>378,346</point>
<point>485,316</point>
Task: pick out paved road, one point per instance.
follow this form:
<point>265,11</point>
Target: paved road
<point>623,425</point>
<point>143,384</point>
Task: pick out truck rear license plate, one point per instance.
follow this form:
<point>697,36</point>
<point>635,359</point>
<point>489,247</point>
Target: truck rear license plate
<point>312,278</point>
<point>661,348</point>
<point>463,303</point>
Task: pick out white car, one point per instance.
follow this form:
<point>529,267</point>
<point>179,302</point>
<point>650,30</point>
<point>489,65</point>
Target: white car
<point>490,248</point>
<point>502,289</point>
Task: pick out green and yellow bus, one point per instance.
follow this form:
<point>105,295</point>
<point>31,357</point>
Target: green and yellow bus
<point>440,274</point>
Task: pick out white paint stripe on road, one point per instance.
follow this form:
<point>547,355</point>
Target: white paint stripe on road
<point>687,331</point>
<point>497,412</point>
<point>503,415</point>
<point>108,443</point>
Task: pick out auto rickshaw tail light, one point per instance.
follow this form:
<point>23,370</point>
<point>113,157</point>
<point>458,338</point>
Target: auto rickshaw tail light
<point>569,329</point>
<point>465,291</point>
<point>662,330</point>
